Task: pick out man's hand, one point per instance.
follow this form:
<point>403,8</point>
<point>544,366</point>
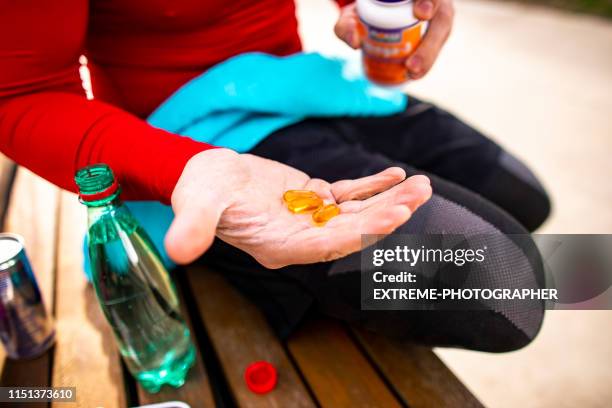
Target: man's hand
<point>238,197</point>
<point>439,13</point>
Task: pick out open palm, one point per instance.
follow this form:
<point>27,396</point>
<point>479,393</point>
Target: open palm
<point>239,198</point>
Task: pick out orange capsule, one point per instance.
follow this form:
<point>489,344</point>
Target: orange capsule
<point>322,215</point>
<point>291,195</point>
<point>302,205</point>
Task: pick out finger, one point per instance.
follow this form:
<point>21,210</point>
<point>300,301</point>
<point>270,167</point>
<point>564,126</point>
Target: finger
<point>346,27</point>
<point>425,9</point>
<point>376,220</point>
<point>343,234</point>
<point>322,188</point>
<point>365,187</point>
<point>421,61</point>
<point>192,232</point>
<point>412,197</point>
<point>412,192</point>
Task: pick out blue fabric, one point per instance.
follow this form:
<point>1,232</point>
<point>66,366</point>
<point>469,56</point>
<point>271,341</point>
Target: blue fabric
<point>240,101</point>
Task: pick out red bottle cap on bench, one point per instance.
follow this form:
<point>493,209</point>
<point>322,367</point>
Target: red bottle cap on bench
<point>260,377</point>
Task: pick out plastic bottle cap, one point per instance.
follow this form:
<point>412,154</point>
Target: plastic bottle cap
<point>260,377</point>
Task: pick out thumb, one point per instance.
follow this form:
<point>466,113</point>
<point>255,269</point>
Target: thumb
<point>192,232</point>
<point>425,9</point>
<point>346,26</point>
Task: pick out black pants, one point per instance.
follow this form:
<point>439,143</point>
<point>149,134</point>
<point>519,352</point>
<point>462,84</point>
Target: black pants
<point>478,189</point>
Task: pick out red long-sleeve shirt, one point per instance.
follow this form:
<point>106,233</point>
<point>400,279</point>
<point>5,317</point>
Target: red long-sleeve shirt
<point>139,52</point>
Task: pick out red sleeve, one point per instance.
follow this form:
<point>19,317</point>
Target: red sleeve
<point>47,124</point>
<point>343,3</point>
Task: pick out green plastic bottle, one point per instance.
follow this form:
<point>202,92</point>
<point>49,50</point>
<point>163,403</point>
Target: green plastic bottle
<point>133,288</point>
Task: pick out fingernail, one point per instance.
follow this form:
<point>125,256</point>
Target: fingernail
<point>414,64</point>
<point>425,8</point>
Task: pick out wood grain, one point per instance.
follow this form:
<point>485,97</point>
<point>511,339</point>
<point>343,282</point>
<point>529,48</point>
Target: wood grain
<point>32,213</point>
<point>417,374</point>
<point>85,353</point>
<point>196,391</point>
<point>338,373</point>
<point>240,336</point>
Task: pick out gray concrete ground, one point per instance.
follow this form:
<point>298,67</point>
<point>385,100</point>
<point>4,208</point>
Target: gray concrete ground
<point>539,82</point>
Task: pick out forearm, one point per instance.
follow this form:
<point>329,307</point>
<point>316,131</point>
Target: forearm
<point>55,133</point>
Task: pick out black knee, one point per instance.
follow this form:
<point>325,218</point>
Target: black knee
<point>479,330</point>
<point>513,262</point>
<point>514,188</point>
<point>497,333</point>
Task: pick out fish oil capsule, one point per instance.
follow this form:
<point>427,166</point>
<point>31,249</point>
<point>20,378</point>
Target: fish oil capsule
<point>326,213</point>
<point>291,195</point>
<point>302,205</point>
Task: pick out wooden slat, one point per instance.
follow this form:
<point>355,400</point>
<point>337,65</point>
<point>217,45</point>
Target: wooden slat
<point>85,353</point>
<point>240,336</point>
<point>417,374</point>
<point>338,373</point>
<point>32,213</point>
<point>196,391</point>
<point>6,175</point>
<point>7,170</point>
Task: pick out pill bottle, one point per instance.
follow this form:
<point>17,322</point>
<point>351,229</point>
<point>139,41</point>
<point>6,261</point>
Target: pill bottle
<point>389,33</point>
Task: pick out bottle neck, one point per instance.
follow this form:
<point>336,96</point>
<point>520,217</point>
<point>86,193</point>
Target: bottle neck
<point>106,223</point>
<point>101,200</point>
<point>100,208</point>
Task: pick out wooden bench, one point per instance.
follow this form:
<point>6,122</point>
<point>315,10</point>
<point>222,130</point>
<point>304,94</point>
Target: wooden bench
<point>324,364</point>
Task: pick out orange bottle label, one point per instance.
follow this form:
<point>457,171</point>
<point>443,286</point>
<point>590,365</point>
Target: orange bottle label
<point>385,51</point>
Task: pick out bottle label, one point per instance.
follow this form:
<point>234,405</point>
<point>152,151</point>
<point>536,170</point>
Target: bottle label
<point>385,51</point>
